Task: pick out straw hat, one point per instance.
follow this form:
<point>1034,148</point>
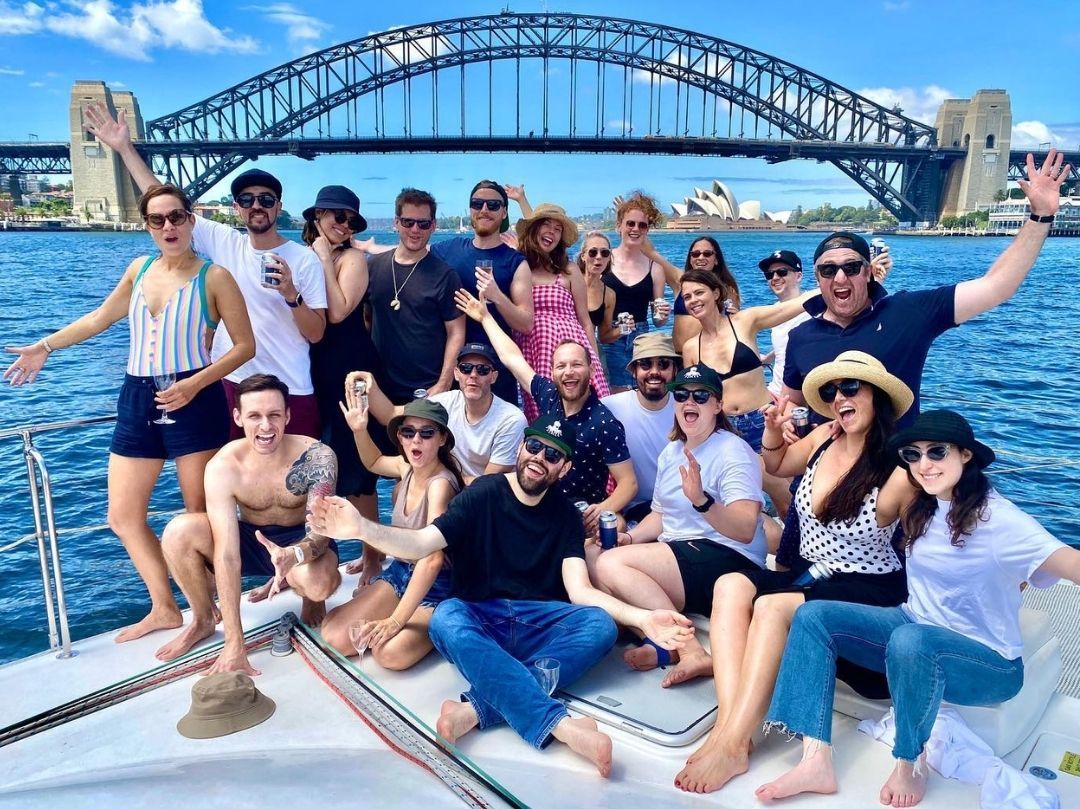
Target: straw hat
<point>548,211</point>
<point>861,366</point>
<point>222,704</point>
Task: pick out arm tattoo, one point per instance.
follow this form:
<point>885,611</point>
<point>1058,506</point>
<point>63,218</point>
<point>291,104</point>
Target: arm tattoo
<point>314,474</point>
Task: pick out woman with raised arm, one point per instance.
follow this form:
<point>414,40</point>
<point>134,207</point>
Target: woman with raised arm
<point>559,304</point>
<point>705,254</point>
<point>397,606</point>
<point>848,504</point>
<point>964,541</point>
<point>594,260</point>
<point>173,301</point>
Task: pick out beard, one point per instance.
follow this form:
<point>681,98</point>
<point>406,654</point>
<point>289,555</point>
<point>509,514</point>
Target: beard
<point>651,394</point>
<point>582,391</point>
<point>533,487</point>
<point>485,228</point>
<point>260,227</point>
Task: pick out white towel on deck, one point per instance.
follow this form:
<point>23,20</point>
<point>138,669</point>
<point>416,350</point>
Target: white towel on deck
<point>956,752</point>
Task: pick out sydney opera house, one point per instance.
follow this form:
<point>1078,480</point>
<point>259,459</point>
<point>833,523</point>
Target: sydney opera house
<point>719,210</point>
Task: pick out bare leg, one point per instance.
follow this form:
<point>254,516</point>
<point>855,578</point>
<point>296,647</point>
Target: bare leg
<point>584,738</point>
<point>374,602</point>
<point>368,506</point>
<point>131,481</point>
<point>409,646</point>
<point>813,774</point>
<point>907,783</point>
<point>314,583</point>
<point>188,546</point>
<point>455,720</point>
<point>190,470</point>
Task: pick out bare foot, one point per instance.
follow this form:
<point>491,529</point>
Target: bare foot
<point>906,785</point>
<point>711,767</point>
<point>455,720</point>
<point>688,667</point>
<point>643,658</point>
<point>813,774</point>
<point>312,612</point>
<point>584,738</point>
<point>186,640</point>
<point>155,620</point>
<point>355,566</point>
<point>261,592</point>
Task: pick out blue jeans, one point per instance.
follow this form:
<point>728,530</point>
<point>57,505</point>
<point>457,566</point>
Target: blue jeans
<point>924,665</point>
<point>617,356</point>
<point>751,426</point>
<point>494,644</point>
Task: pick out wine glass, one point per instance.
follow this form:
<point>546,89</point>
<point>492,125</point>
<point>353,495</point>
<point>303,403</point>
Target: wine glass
<point>162,382</point>
<point>358,639</point>
<point>546,672</point>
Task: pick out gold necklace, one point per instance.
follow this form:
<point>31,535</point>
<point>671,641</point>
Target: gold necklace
<point>395,304</point>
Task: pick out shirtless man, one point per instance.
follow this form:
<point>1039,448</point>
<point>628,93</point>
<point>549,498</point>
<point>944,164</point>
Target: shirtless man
<point>271,477</point>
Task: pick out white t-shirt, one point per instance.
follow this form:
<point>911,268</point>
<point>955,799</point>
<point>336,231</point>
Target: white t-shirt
<point>975,590</point>
<point>730,471</point>
<point>493,439</point>
<point>280,348</point>
<point>779,336</point>
<point>646,436</point>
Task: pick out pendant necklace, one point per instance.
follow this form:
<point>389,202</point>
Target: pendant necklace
<point>395,304</point>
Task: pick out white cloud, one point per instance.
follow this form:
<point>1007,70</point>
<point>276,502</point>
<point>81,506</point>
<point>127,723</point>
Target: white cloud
<point>116,84</point>
<point>20,19</point>
<point>37,84</point>
<point>902,5</point>
<point>918,103</point>
<point>11,71</point>
<point>302,31</point>
<point>1032,134</point>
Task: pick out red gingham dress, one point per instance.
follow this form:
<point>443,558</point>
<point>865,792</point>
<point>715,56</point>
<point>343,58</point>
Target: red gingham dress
<point>555,320</point>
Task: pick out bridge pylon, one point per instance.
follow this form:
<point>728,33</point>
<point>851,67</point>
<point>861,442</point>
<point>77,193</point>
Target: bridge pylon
<point>982,126</point>
<point>104,190</point>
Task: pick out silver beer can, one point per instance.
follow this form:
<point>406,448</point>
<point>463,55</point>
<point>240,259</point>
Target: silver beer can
<point>269,265</point>
<point>626,323</point>
<point>800,420</point>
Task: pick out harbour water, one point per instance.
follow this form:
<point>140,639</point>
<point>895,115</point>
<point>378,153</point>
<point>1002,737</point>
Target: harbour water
<point>1010,371</point>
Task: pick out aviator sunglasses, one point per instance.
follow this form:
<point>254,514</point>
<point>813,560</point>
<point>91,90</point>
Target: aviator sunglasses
<point>533,446</point>
<point>408,223</point>
<point>702,253</point>
<point>409,433</point>
<point>849,268</point>
<point>782,273</point>
<point>349,219</point>
<point>247,199</point>
<point>848,387</point>
<point>156,221</point>
<point>682,394</point>
<point>593,252</point>
<point>935,452</point>
<point>467,368</point>
<point>478,204</point>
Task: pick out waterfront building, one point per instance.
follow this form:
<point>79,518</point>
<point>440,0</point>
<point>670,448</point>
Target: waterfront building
<point>717,209</point>
<point>1007,217</point>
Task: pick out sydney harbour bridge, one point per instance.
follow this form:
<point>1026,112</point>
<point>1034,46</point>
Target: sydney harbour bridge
<point>558,83</point>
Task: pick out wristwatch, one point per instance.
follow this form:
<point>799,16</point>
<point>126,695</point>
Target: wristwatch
<point>709,500</point>
<point>299,300</point>
<point>1042,220</point>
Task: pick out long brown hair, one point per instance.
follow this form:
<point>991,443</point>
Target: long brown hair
<point>445,455</point>
<point>966,509</point>
<point>554,262</point>
<point>727,280</point>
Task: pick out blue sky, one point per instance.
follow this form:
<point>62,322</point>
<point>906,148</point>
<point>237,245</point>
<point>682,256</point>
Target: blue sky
<point>171,53</point>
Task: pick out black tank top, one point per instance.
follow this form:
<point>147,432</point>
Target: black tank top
<point>635,298</point>
<point>743,359</point>
<point>597,315</point>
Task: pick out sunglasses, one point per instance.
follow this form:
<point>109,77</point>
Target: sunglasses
<point>663,364</point>
<point>782,273</point>
<point>408,224</point>
<point>935,452</point>
<point>849,268</point>
<point>247,199</point>
<point>593,252</point>
<point>409,433</point>
<point>349,219</point>
<point>468,367</point>
<point>702,253</point>
<point>848,387</point>
<point>533,446</point>
<point>478,204</point>
<point>636,225</point>
<point>682,395</point>
<point>156,221</point>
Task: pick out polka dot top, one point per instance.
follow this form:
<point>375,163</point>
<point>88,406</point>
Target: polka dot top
<point>858,547</point>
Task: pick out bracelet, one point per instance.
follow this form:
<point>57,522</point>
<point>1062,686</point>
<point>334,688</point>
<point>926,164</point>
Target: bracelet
<point>44,341</point>
<point>397,623</point>
<point>771,449</point>
<point>1042,220</point>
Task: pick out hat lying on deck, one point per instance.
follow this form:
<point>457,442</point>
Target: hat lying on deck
<point>222,704</point>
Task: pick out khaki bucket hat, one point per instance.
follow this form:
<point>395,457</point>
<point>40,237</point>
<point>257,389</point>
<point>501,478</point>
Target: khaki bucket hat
<point>222,704</point>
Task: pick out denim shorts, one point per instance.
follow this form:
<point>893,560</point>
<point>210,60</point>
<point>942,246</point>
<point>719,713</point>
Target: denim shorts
<point>617,356</point>
<point>202,424</point>
<point>751,426</point>
<point>398,574</point>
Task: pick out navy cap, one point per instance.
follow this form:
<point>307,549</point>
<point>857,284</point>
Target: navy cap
<point>785,257</point>
<point>255,177</point>
<point>841,239</point>
<point>336,198</point>
<point>554,429</point>
<point>482,349</point>
<point>494,186</point>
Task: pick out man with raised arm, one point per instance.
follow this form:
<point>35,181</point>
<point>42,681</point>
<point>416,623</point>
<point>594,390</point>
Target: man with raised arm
<point>271,479</point>
<point>517,556</point>
<point>287,305</point>
<point>600,443</point>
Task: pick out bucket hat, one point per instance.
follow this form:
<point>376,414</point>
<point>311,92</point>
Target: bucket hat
<point>548,211</point>
<point>222,704</point>
<point>653,344</point>
<point>856,365</point>
<point>336,198</point>
<point>946,426</point>
<point>422,409</point>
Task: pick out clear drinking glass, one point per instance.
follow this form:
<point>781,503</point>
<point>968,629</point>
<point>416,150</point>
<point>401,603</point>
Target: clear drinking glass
<point>164,381</point>
<point>546,672</point>
<point>358,639</point>
<point>483,265</point>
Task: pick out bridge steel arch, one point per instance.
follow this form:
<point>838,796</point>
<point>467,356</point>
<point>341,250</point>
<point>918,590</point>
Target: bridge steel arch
<point>902,168</point>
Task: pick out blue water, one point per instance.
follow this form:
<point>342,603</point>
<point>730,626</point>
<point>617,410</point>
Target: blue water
<point>1010,371</point>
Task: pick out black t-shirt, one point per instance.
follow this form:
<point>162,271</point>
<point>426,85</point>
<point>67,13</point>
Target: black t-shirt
<point>502,548</point>
<point>411,339</point>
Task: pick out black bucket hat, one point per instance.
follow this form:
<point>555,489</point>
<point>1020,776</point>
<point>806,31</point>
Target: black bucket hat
<point>699,374</point>
<point>255,177</point>
<point>422,409</point>
<point>946,426</point>
<point>494,186</point>
<point>336,198</point>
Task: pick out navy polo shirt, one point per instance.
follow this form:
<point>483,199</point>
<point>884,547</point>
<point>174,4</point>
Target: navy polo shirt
<point>600,441</point>
<point>898,329</point>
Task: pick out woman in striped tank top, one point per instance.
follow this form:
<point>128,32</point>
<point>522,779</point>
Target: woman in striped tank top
<point>174,302</point>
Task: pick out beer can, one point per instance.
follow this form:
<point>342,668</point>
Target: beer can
<point>877,247</point>
<point>609,530</point>
<point>626,323</point>
<point>800,419</point>
<point>818,571</point>
<point>420,393</point>
<point>581,505</point>
<point>360,389</point>
<point>269,265</point>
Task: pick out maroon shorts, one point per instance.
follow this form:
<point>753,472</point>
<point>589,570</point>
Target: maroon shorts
<point>303,414</point>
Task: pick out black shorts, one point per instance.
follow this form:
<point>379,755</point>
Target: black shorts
<point>874,589</point>
<point>254,558</point>
<point>202,424</point>
<point>701,562</point>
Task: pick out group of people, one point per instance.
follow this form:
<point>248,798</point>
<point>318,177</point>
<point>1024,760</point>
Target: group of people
<point>330,366</point>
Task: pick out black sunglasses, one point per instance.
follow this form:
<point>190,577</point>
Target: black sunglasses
<point>849,268</point>
<point>409,433</point>
<point>662,363</point>
<point>533,446</point>
<point>423,224</point>
<point>636,225</point>
<point>478,204</point>
<point>156,221</point>
<point>770,273</point>
<point>247,199</point>
<point>848,387</point>
<point>700,395</point>
<point>702,253</point>
<point>593,252</point>
<point>349,219</point>
<point>468,367</point>
<point>935,452</point>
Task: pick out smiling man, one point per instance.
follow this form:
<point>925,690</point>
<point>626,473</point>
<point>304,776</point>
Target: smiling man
<point>782,270</point>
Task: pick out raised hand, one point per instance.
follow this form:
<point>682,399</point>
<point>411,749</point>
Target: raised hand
<point>1043,186</point>
<point>775,417</point>
<point>113,132</point>
<point>691,478</point>
<point>25,369</point>
<point>509,238</point>
<point>476,308</point>
<point>487,288</point>
<point>356,414</point>
<point>284,560</point>
<point>667,629</point>
<point>515,192</point>
<point>335,517</point>
<point>881,264</point>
